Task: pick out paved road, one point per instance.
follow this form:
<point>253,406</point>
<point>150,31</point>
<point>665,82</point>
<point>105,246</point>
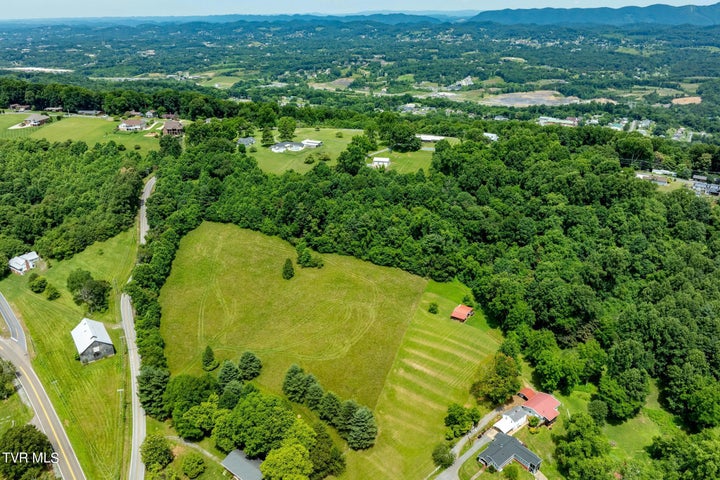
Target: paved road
<point>137,468</point>
<point>16,331</point>
<point>44,411</point>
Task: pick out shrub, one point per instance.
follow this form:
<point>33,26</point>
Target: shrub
<point>193,465</point>
<point>38,285</point>
<point>433,308</point>
<point>442,455</point>
<point>52,293</point>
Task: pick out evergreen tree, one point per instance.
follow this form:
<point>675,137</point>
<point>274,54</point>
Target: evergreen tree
<point>314,395</point>
<point>228,372</point>
<point>267,138</point>
<point>345,417</point>
<point>326,457</point>
<point>208,359</point>
<point>288,270</point>
<point>231,395</point>
<point>363,429</point>
<point>294,386</point>
<point>152,383</point>
<point>249,366</point>
<point>330,408</point>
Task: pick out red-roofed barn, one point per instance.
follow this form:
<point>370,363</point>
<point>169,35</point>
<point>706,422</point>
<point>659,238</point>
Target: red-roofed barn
<point>527,393</point>
<point>462,313</point>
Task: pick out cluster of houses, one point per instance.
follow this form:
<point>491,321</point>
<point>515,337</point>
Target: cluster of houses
<point>701,186</point>
<point>504,448</point>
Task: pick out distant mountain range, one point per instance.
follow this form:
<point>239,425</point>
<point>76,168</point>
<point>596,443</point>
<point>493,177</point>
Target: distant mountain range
<point>658,14</point>
<point>653,14</point>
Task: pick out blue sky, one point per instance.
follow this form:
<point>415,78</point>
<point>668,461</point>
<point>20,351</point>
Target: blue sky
<point>14,9</point>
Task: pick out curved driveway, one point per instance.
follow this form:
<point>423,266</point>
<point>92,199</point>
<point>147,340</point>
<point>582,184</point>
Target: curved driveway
<point>137,468</point>
<point>15,350</point>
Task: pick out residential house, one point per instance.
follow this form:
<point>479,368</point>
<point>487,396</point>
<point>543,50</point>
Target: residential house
<point>92,341</point>
<point>429,138</point>
<point>89,113</point>
<point>287,146</point>
<point>504,449</point>
<point>240,467</point>
<point>491,136</point>
<point>462,313</point>
<point>35,120</point>
<point>24,262</point>
<point>247,141</point>
<point>541,405</point>
<point>312,143</point>
<point>173,127</point>
<point>132,125</point>
<point>54,109</point>
<point>512,420</point>
<point>380,162</point>
<point>19,108</point>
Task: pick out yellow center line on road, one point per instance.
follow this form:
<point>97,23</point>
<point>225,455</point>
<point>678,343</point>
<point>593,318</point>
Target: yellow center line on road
<point>49,421</point>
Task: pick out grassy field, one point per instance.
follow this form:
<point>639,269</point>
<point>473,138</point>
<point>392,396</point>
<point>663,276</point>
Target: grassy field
<point>363,330</point>
<point>282,162</point>
<point>433,368</point>
<point>343,323</point>
<point>91,400</point>
<point>89,130</point>
<point>409,162</point>
<point>13,412</point>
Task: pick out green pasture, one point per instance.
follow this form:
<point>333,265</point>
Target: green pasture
<point>279,163</point>
<point>435,366</point>
<point>91,400</point>
<point>90,130</point>
<point>409,162</point>
<point>344,322</point>
<point>13,412</point>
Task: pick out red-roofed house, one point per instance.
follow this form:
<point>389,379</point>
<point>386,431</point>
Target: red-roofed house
<point>544,406</point>
<point>527,393</point>
<point>462,313</point>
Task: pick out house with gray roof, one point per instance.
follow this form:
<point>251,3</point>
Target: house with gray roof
<point>242,468</point>
<point>504,449</point>
<point>24,262</point>
<point>92,341</point>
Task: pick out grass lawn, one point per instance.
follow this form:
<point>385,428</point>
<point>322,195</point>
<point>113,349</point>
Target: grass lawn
<point>434,367</point>
<point>281,162</point>
<point>90,130</point>
<point>409,162</point>
<point>213,469</point>
<point>469,469</point>
<point>91,400</point>
<point>13,412</point>
<point>343,322</point>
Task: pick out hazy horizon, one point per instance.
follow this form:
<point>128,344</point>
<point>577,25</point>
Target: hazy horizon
<point>52,9</point>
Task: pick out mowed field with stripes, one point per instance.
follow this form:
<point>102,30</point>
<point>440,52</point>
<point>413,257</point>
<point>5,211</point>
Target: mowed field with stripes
<point>363,330</point>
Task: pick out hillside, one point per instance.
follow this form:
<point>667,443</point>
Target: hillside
<point>658,14</point>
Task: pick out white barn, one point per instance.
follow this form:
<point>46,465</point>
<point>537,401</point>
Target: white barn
<point>24,262</point>
<point>92,341</point>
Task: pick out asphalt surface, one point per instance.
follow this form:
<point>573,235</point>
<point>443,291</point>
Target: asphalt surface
<point>137,468</point>
<point>45,414</point>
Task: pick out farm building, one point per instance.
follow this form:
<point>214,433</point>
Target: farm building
<point>504,449</point>
<point>240,467</point>
<point>462,313</point>
<point>132,125</point>
<point>287,146</point>
<point>24,262</point>
<point>312,143</point>
<point>380,162</point>
<point>92,341</point>
<point>424,137</point>
<point>35,120</point>
<point>173,127</point>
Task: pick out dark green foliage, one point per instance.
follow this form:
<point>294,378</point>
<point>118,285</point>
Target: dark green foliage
<point>294,385</point>
<point>598,411</point>
<point>267,137</point>
<point>261,422</point>
<point>184,391</point>
<point>155,451</point>
<point>228,372</point>
<point>306,258</point>
<point>314,396</point>
<point>691,457</point>
<point>442,455</point>
<point>231,395</point>
<point>249,366</point>
<point>7,378</point>
<point>184,425</point>
<point>459,420</point>
<point>170,146</point>
<point>86,290</point>
<point>498,380</point>
<point>625,393</point>
<point>51,292</point>
<point>330,408</point>
<point>363,429</point>
<point>433,308</point>
<point>288,270</point>
<point>30,440</point>
<point>286,128</point>
<point>208,359</point>
<point>347,411</point>
<point>583,449</point>
<point>193,465</point>
<point>77,280</point>
<point>152,383</point>
<point>38,285</point>
<point>326,457</point>
<point>511,472</point>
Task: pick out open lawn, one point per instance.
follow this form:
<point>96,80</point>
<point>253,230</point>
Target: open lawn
<point>90,130</point>
<point>343,322</point>
<point>434,367</point>
<point>281,162</point>
<point>409,162</point>
<point>363,330</point>
<point>91,400</point>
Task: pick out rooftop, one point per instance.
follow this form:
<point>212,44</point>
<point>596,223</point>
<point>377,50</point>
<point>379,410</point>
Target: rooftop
<point>544,404</point>
<point>243,468</point>
<point>87,332</point>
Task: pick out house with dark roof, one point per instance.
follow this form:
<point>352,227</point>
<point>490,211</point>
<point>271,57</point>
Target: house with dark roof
<point>35,120</point>
<point>504,449</point>
<point>541,405</point>
<point>92,341</point>
<point>462,313</point>
<point>240,467</point>
<point>132,125</point>
<point>173,127</point>
<point>247,141</point>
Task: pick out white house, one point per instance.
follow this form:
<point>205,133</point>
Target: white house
<point>380,162</point>
<point>312,143</point>
<point>512,420</point>
<point>23,263</point>
<point>132,125</point>
<point>429,138</point>
<point>491,136</point>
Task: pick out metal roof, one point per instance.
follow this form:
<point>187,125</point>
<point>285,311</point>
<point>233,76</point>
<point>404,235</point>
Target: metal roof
<point>87,332</point>
<point>243,468</point>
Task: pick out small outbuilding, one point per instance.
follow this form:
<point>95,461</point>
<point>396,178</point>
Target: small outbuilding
<point>462,313</point>
<point>92,341</point>
<point>380,162</point>
<point>24,262</point>
<point>240,467</point>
